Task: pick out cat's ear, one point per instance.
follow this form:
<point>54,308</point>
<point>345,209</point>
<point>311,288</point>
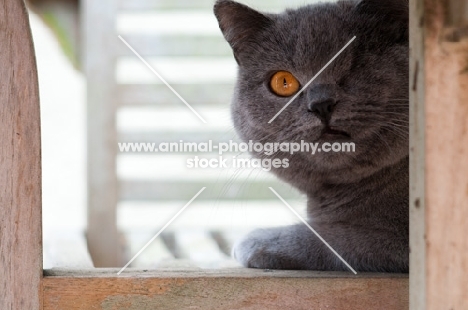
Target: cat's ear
<point>239,23</point>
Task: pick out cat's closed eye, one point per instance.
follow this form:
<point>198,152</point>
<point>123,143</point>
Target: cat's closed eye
<point>284,84</point>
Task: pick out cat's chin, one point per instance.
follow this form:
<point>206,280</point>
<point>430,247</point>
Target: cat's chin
<point>330,134</point>
<point>329,137</point>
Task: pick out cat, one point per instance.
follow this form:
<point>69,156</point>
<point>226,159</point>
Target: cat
<point>358,202</point>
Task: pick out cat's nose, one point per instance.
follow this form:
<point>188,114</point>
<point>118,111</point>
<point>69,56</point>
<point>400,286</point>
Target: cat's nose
<point>323,109</point>
<point>321,101</point>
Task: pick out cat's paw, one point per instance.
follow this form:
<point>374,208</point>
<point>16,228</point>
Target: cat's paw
<point>260,249</point>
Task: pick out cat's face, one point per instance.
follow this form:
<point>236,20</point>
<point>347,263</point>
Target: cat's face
<point>361,97</point>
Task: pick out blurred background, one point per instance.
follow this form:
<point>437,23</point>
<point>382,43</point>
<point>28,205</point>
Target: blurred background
<point>101,206</point>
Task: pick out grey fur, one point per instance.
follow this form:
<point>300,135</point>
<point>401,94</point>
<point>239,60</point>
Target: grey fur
<point>358,202</point>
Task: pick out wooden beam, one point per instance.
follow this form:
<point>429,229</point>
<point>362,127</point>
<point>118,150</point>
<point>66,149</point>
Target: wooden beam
<point>417,158</point>
<point>457,13</point>
<point>224,289</point>
<point>439,205</point>
<point>20,163</point>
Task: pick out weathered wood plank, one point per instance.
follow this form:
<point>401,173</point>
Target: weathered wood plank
<point>160,95</point>
<point>20,163</point>
<point>225,289</point>
<point>439,244</point>
<point>417,158</point>
<point>446,104</point>
<point>457,13</point>
<point>104,242</point>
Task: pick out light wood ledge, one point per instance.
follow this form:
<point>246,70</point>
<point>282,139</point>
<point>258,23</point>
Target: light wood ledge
<point>222,290</point>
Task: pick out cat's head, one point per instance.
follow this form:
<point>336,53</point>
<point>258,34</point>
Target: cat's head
<point>361,97</point>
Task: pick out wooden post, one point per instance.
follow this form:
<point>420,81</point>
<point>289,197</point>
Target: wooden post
<point>417,158</point>
<point>457,14</point>
<point>439,151</point>
<point>20,163</point>
<point>100,43</point>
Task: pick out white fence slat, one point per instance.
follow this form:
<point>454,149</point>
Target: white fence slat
<point>160,95</point>
<point>188,45</point>
<point>99,41</point>
<point>155,253</point>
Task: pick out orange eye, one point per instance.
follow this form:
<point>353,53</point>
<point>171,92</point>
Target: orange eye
<point>284,84</point>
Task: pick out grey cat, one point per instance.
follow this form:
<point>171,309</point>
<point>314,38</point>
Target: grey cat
<point>358,202</point>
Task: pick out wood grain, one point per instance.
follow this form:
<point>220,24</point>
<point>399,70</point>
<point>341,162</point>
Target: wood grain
<point>417,158</point>
<point>20,163</point>
<point>446,101</point>
<point>457,13</point>
<point>223,290</point>
<point>439,247</point>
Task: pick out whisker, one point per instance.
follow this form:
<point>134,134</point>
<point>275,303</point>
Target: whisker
<point>398,131</point>
<point>400,126</point>
<point>393,113</point>
<point>379,136</point>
